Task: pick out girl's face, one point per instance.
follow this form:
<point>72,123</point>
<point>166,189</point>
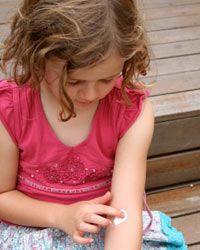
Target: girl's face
<point>86,86</point>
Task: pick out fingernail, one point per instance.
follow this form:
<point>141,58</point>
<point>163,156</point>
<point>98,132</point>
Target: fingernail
<point>91,240</point>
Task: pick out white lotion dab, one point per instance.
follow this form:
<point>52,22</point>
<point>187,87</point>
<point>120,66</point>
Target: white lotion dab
<point>118,220</point>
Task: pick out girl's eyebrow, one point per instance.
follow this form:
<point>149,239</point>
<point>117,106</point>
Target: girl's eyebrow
<point>73,79</point>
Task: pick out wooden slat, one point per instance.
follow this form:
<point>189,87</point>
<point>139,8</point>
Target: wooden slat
<point>9,3</point>
<point>173,169</point>
<point>6,13</point>
<point>175,65</point>
<point>176,49</point>
<point>190,226</point>
<point>157,3</point>
<point>172,23</point>
<point>174,35</point>
<point>4,30</point>
<point>175,136</point>
<point>195,247</point>
<point>174,106</point>
<point>177,202</point>
<point>172,11</point>
<point>180,82</point>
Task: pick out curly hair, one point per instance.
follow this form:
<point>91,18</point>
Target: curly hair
<point>81,32</point>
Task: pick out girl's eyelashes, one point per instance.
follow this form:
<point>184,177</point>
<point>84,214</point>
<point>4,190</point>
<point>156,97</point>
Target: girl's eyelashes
<point>107,80</point>
<point>78,82</point>
<point>74,83</point>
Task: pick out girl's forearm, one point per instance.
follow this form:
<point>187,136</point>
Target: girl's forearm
<point>18,208</point>
<point>127,235</point>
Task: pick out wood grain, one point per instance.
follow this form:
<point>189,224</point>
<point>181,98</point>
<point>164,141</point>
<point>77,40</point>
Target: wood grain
<point>4,30</point>
<point>174,35</point>
<point>195,247</point>
<point>173,169</point>
<point>172,23</point>
<point>190,226</point>
<point>172,11</point>
<point>158,3</point>
<point>175,136</point>
<point>180,48</point>
<point>176,202</point>
<point>177,105</point>
<point>175,83</point>
<point>175,65</point>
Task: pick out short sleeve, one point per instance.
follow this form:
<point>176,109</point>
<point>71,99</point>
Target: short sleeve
<point>127,115</point>
<point>7,113</point>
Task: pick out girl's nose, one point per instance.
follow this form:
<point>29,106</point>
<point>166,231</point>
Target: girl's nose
<point>89,94</point>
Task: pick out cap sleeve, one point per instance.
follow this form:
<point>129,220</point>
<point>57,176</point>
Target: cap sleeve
<point>127,115</point>
<point>7,112</point>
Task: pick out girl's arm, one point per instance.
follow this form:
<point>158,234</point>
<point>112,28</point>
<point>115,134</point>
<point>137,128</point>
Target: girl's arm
<point>128,182</point>
<point>16,207</point>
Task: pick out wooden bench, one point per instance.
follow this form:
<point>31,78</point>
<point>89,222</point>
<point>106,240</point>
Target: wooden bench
<point>173,177</point>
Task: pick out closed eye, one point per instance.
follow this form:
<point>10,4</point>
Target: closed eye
<point>106,80</point>
<point>74,83</point>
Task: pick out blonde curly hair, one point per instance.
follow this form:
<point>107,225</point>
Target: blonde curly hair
<point>81,32</point>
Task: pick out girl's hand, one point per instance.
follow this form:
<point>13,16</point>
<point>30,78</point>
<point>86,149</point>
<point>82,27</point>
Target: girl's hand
<point>86,216</point>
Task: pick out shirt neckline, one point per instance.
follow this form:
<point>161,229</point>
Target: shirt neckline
<point>53,134</point>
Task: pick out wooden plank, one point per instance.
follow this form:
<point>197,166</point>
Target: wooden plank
<point>167,50</point>
<point>190,226</point>
<point>172,11</point>
<point>195,247</point>
<point>177,202</point>
<point>6,13</point>
<point>174,83</point>
<point>174,35</point>
<point>172,23</point>
<point>9,3</point>
<point>179,168</point>
<point>157,3</point>
<point>4,31</point>
<point>176,106</point>
<point>175,65</point>
<point>175,136</point>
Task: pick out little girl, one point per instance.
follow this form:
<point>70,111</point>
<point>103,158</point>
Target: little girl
<point>75,130</point>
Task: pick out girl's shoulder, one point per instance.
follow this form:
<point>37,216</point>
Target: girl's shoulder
<point>6,90</point>
<point>14,102</point>
<point>123,115</point>
<point>9,88</point>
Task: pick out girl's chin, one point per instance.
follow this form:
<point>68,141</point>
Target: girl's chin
<point>80,104</point>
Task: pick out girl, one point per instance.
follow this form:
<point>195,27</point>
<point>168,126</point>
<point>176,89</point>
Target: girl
<point>75,129</point>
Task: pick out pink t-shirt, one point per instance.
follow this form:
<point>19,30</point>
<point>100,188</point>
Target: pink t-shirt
<point>52,171</point>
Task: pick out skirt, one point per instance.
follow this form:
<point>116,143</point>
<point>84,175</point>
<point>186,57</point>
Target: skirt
<point>161,235</point>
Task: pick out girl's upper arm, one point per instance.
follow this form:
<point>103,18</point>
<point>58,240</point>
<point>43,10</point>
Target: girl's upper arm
<point>130,161</point>
<point>9,154</point>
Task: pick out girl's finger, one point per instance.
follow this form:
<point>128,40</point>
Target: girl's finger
<point>108,210</point>
<point>81,240</point>
<point>88,228</point>
<point>97,220</point>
